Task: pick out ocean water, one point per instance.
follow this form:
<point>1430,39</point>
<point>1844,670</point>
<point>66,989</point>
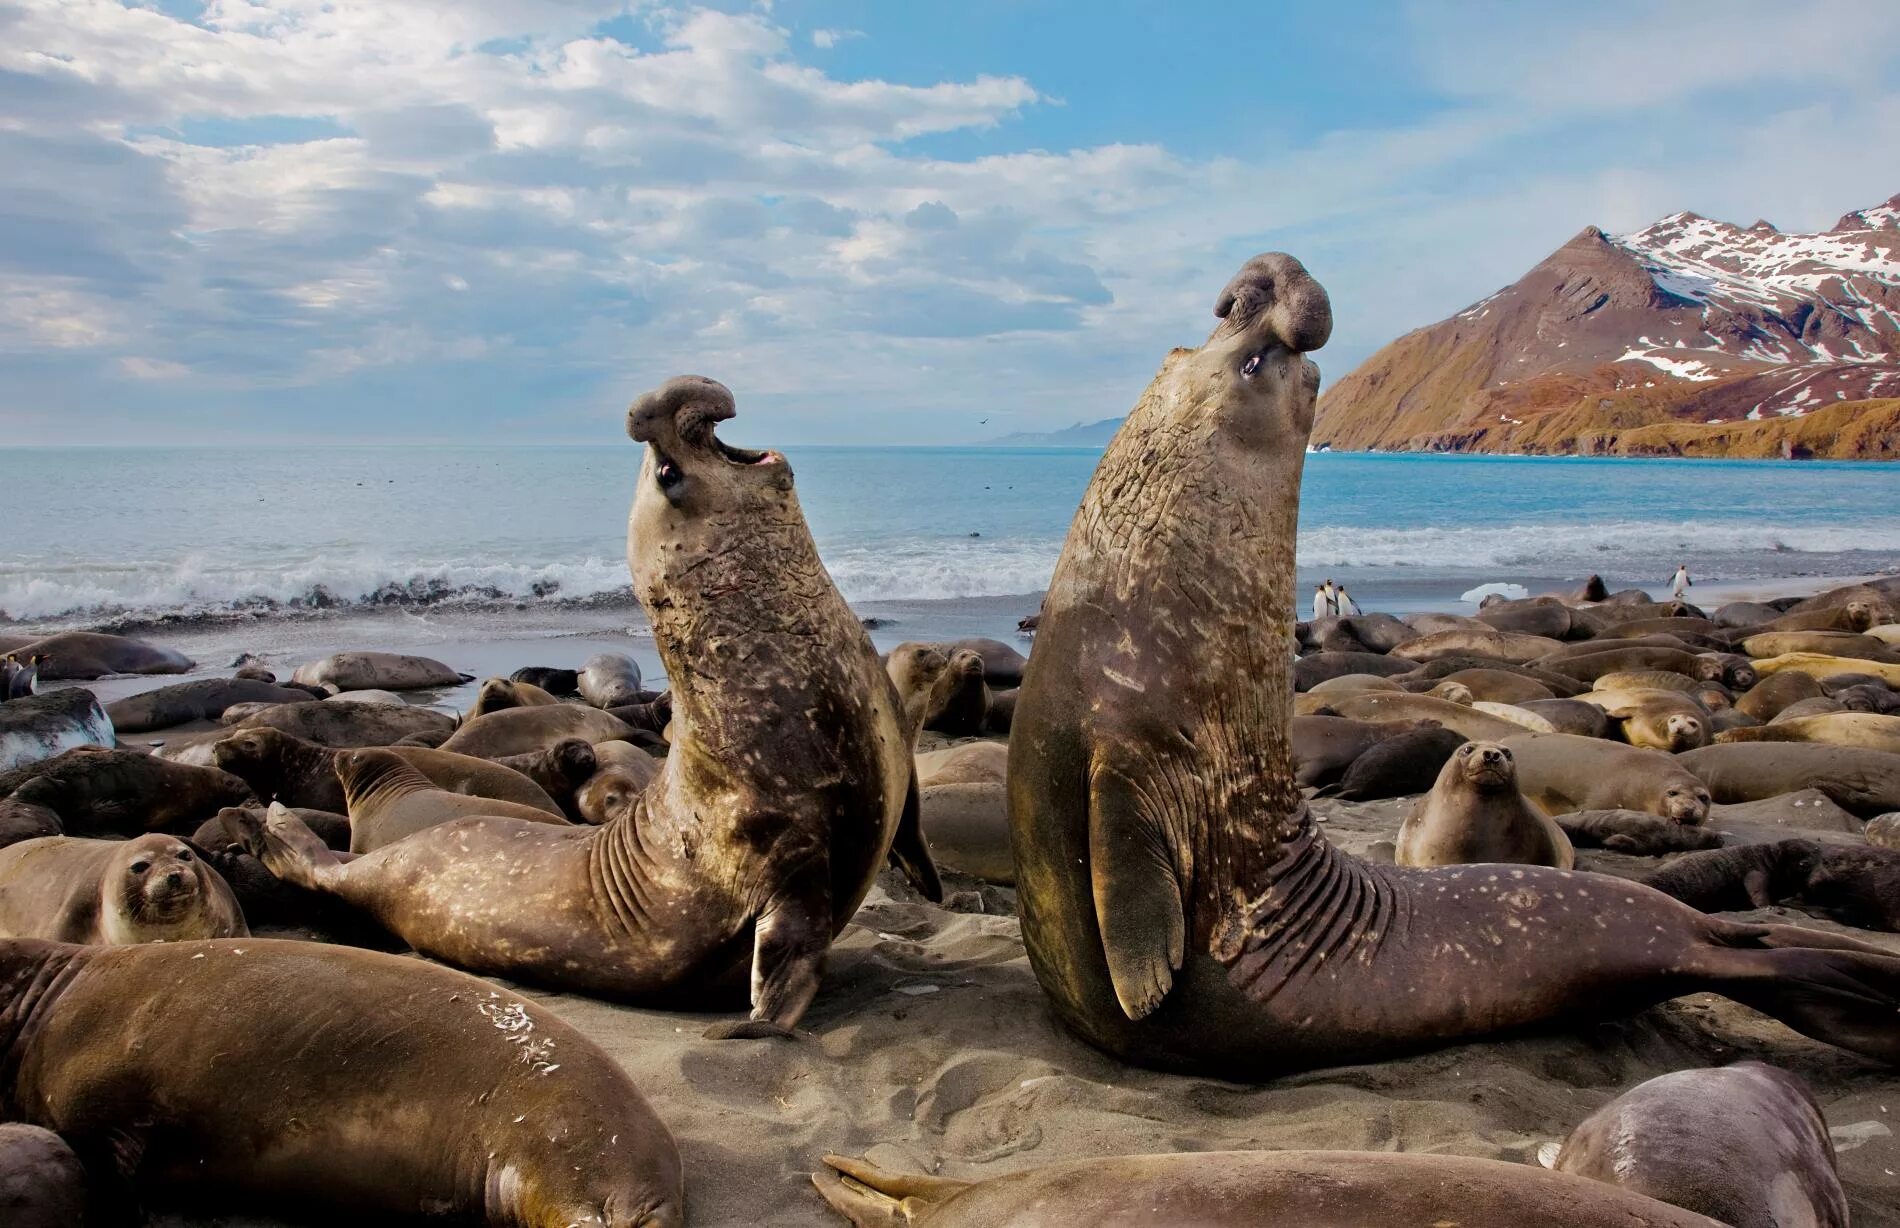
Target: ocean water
<point>104,534</point>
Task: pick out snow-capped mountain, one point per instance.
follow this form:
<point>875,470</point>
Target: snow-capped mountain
<point>1690,336</point>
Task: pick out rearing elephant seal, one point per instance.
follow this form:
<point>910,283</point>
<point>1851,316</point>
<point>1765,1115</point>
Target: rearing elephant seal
<point>1474,814</point>
<point>1179,905</point>
<point>789,781</point>
<point>151,889</point>
<point>305,1078</point>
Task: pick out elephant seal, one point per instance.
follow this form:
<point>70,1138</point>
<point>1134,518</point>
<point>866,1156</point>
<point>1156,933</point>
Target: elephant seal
<point>1864,782</point>
<point>1589,666</point>
<point>1856,618</point>
<point>1475,813</point>
<point>1424,677</point>
<point>1562,773</point>
<point>1246,1189</point>
<point>609,680</point>
<point>495,1111</point>
<point>347,726</point>
<point>523,731</point>
<point>943,691</point>
<point>20,821</point>
<point>1499,686</point>
<point>278,766</point>
<point>558,771</point>
<point>1711,695</point>
<point>84,655</point>
<point>498,694</point>
<point>1378,706</point>
<point>965,809</point>
<point>1325,746</point>
<point>1399,766</point>
<point>1820,643</point>
<point>1817,706</point>
<point>1766,699</point>
<point>42,1183</point>
<point>1745,1145</point>
<point>389,800</point>
<point>1634,832</point>
<point>37,727</point>
<point>1883,831</point>
<point>1002,665</point>
<point>1551,620</point>
<point>561,682</point>
<point>99,792</point>
<point>613,792</point>
<point>371,671</point>
<point>1491,644</point>
<point>1570,716</point>
<point>1178,903</point>
<point>789,782</point>
<point>151,888</point>
<point>1353,684</point>
<point>1522,717</point>
<point>1857,886</point>
<point>202,700</point>
<point>1655,719</point>
<point>1865,730</point>
<point>1825,668</point>
<point>1310,671</point>
<point>1739,615</point>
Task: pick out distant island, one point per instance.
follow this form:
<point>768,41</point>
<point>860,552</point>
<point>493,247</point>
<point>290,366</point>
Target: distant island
<point>1081,435</point>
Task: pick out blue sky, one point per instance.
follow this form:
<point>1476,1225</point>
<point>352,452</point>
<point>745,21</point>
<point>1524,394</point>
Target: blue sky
<point>880,222</point>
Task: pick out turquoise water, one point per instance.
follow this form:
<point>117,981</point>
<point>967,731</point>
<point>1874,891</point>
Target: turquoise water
<point>102,531</point>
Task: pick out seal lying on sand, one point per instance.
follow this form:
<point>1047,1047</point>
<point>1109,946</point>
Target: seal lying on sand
<point>100,792</point>
<point>609,679</point>
<point>1856,886</point>
<point>1634,832</point>
<point>483,1106</point>
<point>498,694</point>
<point>1178,903</point>
<point>288,769</point>
<point>1474,814</point>
<point>38,727</point>
<point>789,781</point>
<point>522,731</point>
<point>202,700</point>
<point>150,889</point>
<point>390,800</point>
<point>42,1183</point>
<point>1397,767</point>
<point>89,654</point>
<point>1562,772</point>
<point>1866,782</point>
<point>372,671</point>
<point>1744,1144</point>
<point>1246,1189</point>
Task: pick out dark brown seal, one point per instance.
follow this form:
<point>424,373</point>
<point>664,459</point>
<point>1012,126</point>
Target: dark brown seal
<point>789,780</point>
<point>1854,885</point>
<point>1179,905</point>
<point>1634,832</point>
<point>152,888</point>
<point>297,1078</point>
<point>42,1183</point>
<point>99,792</point>
<point>202,700</point>
<point>1744,1144</point>
<point>37,727</point>
<point>280,767</point>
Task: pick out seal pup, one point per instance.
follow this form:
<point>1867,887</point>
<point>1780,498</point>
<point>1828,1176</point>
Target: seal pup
<point>789,782</point>
<point>1857,886</point>
<point>280,767</point>
<point>609,680</point>
<point>1475,814</point>
<point>378,671</point>
<point>562,682</point>
<point>1634,832</point>
<point>1865,782</point>
<point>37,727</point>
<point>1743,1144</point>
<point>202,700</point>
<point>1246,1189</point>
<point>1562,772</point>
<point>100,792</point>
<point>84,655</point>
<point>561,770</point>
<point>152,888</point>
<point>389,800</point>
<point>1397,767</point>
<point>42,1183</point>
<point>492,1109</point>
<point>1179,905</point>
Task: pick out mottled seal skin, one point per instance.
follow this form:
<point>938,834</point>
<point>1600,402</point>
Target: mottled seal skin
<point>609,680</point>
<point>1865,782</point>
<point>1858,886</point>
<point>1745,1145</point>
<point>1378,706</point>
<point>297,1077</point>
<point>280,767</point>
<point>202,700</point>
<point>1883,831</point>
<point>1634,832</point>
<point>789,782</point>
<point>1179,905</point>
<point>38,727</point>
<point>84,655</point>
<point>559,771</point>
<point>1474,813</point>
<point>348,726</point>
<point>1399,766</point>
<point>389,800</point>
<point>1562,773</point>
<point>498,694</point>
<point>152,888</point>
<point>373,671</point>
<point>1246,1189</point>
<point>42,1183</point>
<point>99,792</point>
<point>523,731</point>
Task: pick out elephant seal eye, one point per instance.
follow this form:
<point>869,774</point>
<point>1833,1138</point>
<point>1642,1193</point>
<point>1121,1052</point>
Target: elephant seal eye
<point>668,475</point>
<point>1251,365</point>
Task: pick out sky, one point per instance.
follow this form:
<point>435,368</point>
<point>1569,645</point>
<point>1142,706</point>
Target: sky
<point>879,222</point>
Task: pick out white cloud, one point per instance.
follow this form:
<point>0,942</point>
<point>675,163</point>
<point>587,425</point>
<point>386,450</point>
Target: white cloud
<point>825,40</point>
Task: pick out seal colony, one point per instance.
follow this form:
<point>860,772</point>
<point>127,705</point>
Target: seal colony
<point>1156,808</point>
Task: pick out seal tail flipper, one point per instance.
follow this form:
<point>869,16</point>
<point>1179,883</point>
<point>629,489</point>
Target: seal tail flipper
<point>280,840</point>
<point>871,1198</point>
<point>1138,905</point>
<point>1836,990</point>
<point>910,852</point>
